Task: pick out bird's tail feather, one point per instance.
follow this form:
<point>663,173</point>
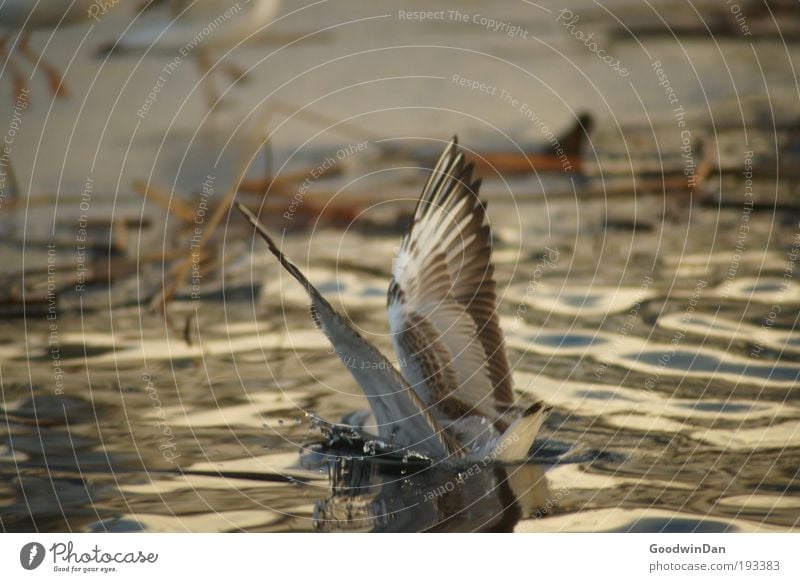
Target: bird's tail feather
<point>516,442</point>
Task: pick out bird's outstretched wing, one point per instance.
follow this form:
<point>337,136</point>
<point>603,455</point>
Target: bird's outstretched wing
<point>442,302</point>
<point>402,418</point>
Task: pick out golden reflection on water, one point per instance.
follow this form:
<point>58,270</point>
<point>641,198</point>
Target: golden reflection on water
<point>664,418</point>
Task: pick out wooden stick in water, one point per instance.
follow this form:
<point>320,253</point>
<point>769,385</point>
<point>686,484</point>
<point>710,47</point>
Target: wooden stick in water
<point>167,292</point>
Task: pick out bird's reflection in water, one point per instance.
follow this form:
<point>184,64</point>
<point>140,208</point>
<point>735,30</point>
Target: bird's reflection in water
<point>372,494</point>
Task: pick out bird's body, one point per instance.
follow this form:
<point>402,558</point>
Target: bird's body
<point>31,15</point>
<point>196,28</point>
<point>217,24</point>
<point>20,18</point>
<point>453,395</point>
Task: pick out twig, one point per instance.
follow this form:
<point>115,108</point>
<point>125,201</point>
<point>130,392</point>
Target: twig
<point>167,292</point>
<point>175,205</point>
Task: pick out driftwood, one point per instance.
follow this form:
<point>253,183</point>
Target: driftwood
<point>161,298</point>
<point>541,158</point>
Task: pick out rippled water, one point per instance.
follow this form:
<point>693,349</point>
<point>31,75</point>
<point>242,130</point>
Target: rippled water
<point>670,359</point>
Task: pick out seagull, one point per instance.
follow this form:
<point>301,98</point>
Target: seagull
<point>21,17</point>
<point>198,27</point>
<point>452,397</point>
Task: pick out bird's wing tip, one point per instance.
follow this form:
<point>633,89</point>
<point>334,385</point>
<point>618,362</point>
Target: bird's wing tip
<point>537,407</point>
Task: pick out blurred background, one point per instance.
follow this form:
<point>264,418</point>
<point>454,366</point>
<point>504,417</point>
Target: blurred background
<point>640,163</point>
